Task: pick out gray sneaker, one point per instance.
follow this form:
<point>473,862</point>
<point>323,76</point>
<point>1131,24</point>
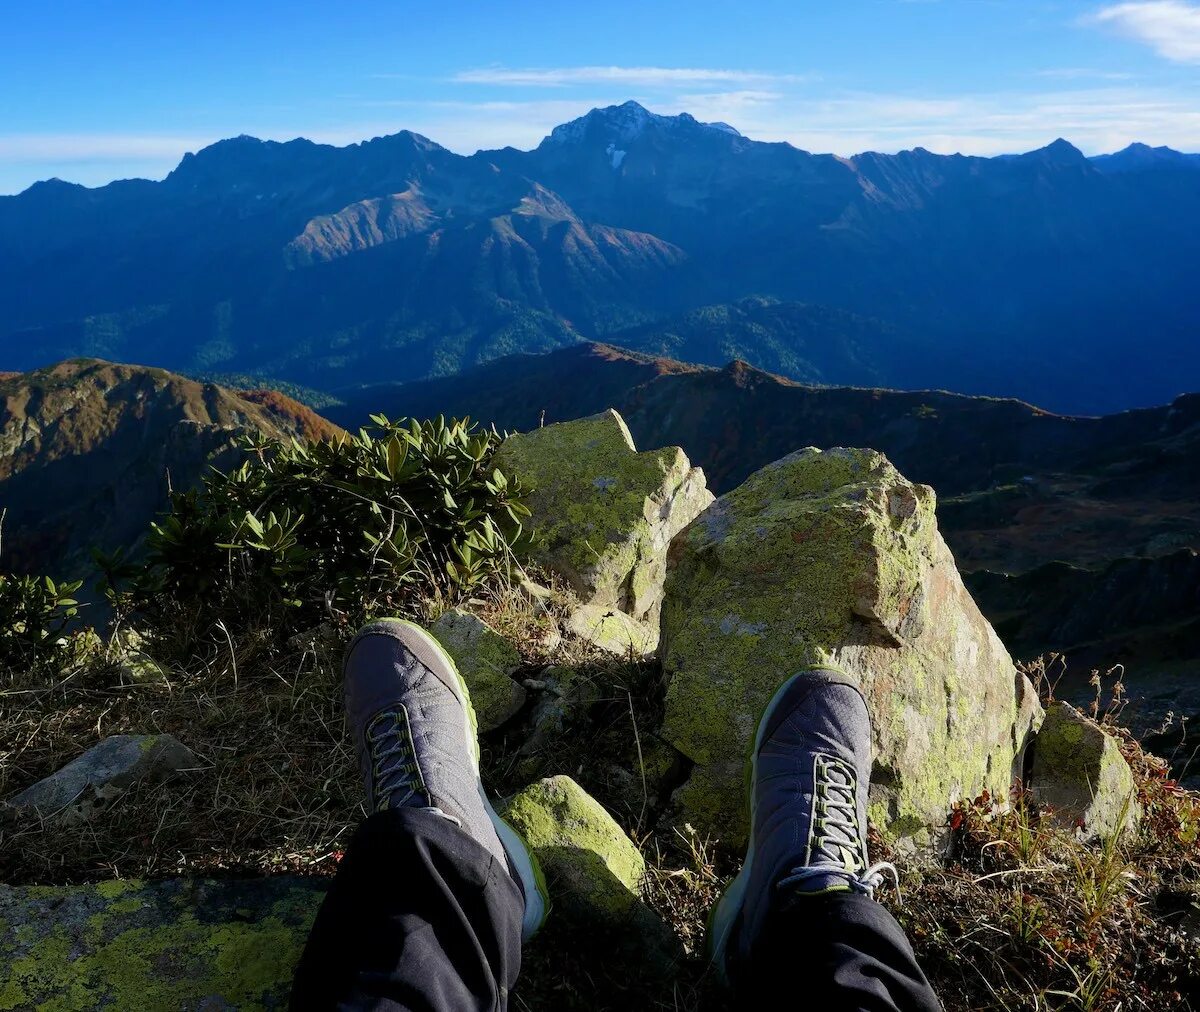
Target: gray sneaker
<point>809,773</point>
<point>415,734</point>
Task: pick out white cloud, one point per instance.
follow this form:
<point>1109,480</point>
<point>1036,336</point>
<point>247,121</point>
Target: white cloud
<point>1083,73</point>
<point>96,147</point>
<point>638,77</point>
<point>1096,120</point>
<point>1170,27</point>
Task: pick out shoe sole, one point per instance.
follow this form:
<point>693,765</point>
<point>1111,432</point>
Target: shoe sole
<point>522,859</point>
<point>725,914</point>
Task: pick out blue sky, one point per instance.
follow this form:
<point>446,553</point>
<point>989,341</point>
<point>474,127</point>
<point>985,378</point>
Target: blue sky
<point>95,91</point>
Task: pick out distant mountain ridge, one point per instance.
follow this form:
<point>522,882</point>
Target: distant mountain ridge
<point>1061,279</point>
<point>1018,486</point>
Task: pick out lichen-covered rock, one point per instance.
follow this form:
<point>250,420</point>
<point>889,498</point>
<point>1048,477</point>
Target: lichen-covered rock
<point>592,867</point>
<point>486,661</point>
<point>133,658</point>
<point>612,630</point>
<point>89,783</point>
<point>1080,778</point>
<point>140,668</point>
<point>176,944</point>
<point>834,558</point>
<point>605,513</point>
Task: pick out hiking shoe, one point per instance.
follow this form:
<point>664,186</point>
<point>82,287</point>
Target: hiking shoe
<point>809,773</point>
<point>415,734</point>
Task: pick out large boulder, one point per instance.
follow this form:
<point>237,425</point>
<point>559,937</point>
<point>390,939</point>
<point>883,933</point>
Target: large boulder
<point>605,513</point>
<point>175,944</point>
<point>833,558</point>
<point>1080,779</point>
<point>83,788</point>
<point>486,661</point>
<point>592,867</point>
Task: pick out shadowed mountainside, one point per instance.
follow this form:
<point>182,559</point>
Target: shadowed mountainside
<point>89,449</point>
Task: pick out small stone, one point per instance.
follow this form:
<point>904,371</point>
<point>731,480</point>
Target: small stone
<point>320,637</point>
<point>486,661</point>
<point>88,784</point>
<point>1081,778</point>
<point>134,661</point>
<point>140,669</point>
<point>612,631</point>
<point>592,868</point>
<point>566,695</point>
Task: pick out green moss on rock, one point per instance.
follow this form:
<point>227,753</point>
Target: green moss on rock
<point>1080,778</point>
<point>593,868</point>
<point>613,631</point>
<point>486,661</point>
<point>605,513</point>
<point>175,944</point>
<point>834,558</point>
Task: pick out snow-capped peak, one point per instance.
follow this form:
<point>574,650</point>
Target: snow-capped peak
<point>620,124</point>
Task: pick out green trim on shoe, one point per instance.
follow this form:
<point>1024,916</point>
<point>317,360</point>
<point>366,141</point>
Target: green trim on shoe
<point>723,917</point>
<point>523,860</point>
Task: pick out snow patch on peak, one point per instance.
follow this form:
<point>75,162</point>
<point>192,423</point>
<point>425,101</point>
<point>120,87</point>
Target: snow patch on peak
<point>617,155</point>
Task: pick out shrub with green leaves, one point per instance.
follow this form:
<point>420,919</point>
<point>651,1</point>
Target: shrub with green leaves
<point>34,614</point>
<point>355,524</point>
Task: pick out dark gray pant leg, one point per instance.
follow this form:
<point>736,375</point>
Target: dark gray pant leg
<point>841,953</point>
<point>419,917</point>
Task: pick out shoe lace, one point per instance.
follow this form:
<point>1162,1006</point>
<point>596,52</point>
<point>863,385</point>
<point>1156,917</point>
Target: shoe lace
<point>836,843</point>
<point>395,774</point>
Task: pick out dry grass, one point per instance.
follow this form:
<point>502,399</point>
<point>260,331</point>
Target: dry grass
<point>1017,917</point>
<point>276,791</point>
<point>1024,917</point>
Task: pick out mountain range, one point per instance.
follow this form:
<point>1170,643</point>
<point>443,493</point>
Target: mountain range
<point>1063,280</point>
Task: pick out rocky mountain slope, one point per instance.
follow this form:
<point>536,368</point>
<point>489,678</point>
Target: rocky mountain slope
<point>1049,833</point>
<point>398,259</point>
<point>88,451</point>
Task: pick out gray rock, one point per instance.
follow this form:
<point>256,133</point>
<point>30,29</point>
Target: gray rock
<point>1080,778</point>
<point>612,631</point>
<point>88,784</point>
<point>565,696</point>
<point>486,661</point>
<point>175,944</point>
<point>834,558</point>
<point>604,512</point>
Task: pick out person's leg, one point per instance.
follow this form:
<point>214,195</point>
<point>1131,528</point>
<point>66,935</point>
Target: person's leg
<point>420,916</point>
<point>800,916</point>
<point>855,958</point>
<point>435,892</point>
